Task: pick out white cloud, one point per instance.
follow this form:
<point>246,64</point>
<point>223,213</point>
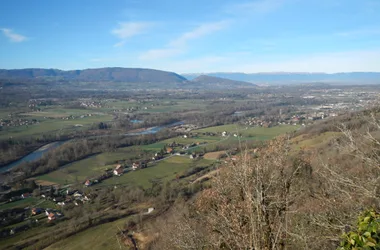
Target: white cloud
<point>178,45</point>
<point>126,30</point>
<point>13,37</point>
<point>201,30</point>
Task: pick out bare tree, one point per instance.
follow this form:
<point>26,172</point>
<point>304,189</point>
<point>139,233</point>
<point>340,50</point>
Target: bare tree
<point>248,204</point>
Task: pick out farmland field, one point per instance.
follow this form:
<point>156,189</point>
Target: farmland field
<point>163,170</point>
<point>98,237</point>
<point>90,167</point>
<point>53,125</point>
<point>28,202</point>
<point>245,131</point>
<point>58,112</point>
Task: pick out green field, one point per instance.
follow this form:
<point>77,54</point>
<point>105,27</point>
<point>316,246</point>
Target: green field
<point>200,139</point>
<point>53,125</point>
<point>54,112</point>
<point>260,133</point>
<point>89,167</point>
<point>178,106</point>
<point>314,141</point>
<point>163,170</point>
<point>28,202</point>
<point>95,238</point>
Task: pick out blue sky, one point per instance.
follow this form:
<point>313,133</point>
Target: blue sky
<point>192,36</point>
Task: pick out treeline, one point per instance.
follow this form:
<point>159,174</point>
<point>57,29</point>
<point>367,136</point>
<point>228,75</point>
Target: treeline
<point>81,148</point>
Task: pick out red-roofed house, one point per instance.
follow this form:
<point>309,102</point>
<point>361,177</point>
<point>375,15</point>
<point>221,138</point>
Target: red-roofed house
<point>119,170</point>
<point>26,195</point>
<point>169,150</point>
<point>51,216</point>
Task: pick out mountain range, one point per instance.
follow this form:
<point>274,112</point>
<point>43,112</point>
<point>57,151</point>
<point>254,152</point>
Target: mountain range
<point>113,78</point>
<point>288,77</point>
<point>131,75</point>
<point>138,78</point>
<point>204,81</point>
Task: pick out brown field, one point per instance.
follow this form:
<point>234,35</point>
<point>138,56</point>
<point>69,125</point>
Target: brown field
<point>45,183</point>
<point>208,175</point>
<point>214,155</point>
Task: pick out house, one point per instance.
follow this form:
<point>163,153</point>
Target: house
<point>78,202</point>
<point>58,199</point>
<point>169,150</point>
<point>25,195</point>
<point>88,183</point>
<point>36,211</point>
<point>119,170</point>
<point>51,216</point>
<point>150,210</point>
<point>77,195</point>
<point>135,166</point>
<point>70,192</point>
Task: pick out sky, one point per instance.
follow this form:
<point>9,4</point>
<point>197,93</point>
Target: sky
<point>192,36</point>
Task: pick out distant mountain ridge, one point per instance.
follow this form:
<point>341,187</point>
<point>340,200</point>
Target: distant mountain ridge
<point>218,82</point>
<point>132,75</point>
<point>284,77</point>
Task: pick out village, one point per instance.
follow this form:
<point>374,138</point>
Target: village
<point>64,198</point>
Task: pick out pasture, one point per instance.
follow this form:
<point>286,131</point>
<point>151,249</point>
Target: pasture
<point>259,133</point>
<point>50,125</point>
<point>96,238</point>
<point>90,167</point>
<point>28,202</point>
<point>164,170</point>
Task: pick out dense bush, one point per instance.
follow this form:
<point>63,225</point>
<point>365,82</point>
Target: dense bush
<point>366,235</point>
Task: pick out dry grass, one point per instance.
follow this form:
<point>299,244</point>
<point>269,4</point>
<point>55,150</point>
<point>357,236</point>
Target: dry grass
<point>45,183</point>
<point>214,155</point>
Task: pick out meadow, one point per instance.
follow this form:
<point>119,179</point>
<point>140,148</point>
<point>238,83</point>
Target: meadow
<point>90,167</point>
<point>50,125</point>
<point>28,202</point>
<point>164,170</point>
<point>96,238</point>
<point>259,133</point>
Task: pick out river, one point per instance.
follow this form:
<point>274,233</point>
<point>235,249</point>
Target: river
<point>154,130</point>
<point>36,155</point>
<point>32,156</point>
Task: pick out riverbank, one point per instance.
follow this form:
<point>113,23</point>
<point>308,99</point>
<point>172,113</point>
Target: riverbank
<point>35,155</point>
